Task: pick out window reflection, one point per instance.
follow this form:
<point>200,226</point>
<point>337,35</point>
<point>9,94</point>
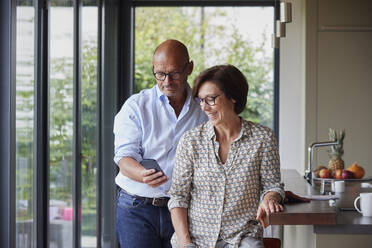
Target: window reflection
<point>24,123</point>
<point>89,123</point>
<point>61,123</point>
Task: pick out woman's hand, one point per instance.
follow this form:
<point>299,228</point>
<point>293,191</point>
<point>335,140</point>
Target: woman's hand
<point>181,227</point>
<point>269,204</point>
<point>184,241</point>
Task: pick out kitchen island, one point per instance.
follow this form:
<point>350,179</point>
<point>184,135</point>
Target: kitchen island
<point>321,223</point>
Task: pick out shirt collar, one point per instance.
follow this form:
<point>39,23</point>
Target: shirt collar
<point>244,131</point>
<point>189,95</point>
<point>162,97</point>
<point>246,128</point>
<point>210,130</point>
<point>159,93</point>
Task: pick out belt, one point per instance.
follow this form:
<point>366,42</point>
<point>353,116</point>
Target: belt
<point>157,202</point>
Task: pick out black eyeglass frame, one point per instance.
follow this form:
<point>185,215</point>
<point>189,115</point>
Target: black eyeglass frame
<point>170,74</point>
<point>210,100</point>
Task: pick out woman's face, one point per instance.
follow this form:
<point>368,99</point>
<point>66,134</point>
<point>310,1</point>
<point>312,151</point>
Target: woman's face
<point>222,109</point>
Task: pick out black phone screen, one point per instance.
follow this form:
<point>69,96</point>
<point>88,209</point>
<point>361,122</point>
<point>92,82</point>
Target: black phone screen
<point>151,164</point>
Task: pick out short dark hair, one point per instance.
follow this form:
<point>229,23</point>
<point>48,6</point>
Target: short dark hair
<point>229,79</point>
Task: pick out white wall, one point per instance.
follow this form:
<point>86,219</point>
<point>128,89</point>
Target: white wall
<point>326,81</point>
<point>292,91</point>
<point>344,77</point>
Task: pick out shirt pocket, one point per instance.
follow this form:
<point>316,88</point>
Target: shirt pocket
<point>156,151</point>
<point>208,177</point>
<point>246,172</point>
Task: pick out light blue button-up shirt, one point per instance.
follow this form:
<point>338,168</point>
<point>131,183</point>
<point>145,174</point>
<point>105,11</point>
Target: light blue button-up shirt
<point>147,127</point>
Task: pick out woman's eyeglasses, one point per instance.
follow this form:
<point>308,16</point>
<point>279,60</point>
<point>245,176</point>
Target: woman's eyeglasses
<point>210,100</point>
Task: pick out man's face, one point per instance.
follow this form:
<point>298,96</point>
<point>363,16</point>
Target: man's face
<point>174,73</point>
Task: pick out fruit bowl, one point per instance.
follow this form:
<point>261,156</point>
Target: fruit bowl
<point>348,180</point>
<point>328,182</point>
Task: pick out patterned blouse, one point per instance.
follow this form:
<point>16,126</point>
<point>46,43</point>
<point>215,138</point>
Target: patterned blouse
<point>222,199</point>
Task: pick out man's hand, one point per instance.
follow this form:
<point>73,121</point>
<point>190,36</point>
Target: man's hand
<point>269,204</point>
<point>131,168</point>
<point>153,178</point>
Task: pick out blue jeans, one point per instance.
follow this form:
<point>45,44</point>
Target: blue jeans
<point>140,225</point>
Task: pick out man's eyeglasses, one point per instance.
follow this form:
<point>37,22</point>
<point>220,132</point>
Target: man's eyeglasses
<point>174,75</point>
<point>210,100</point>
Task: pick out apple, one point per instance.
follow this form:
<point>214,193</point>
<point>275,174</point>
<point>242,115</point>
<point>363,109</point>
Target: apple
<point>337,174</point>
<point>347,174</point>
<point>324,173</point>
<point>318,169</point>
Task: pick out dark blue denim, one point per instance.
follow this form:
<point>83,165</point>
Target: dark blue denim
<point>140,225</point>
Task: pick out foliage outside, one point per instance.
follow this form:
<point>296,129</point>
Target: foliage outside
<point>61,134</point>
<point>60,126</point>
<point>209,43</point>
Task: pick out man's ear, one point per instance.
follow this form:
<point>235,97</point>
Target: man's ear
<point>190,67</point>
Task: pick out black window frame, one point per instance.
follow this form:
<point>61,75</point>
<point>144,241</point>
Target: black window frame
<point>7,123</point>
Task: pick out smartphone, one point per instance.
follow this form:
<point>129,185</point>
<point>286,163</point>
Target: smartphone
<point>151,164</point>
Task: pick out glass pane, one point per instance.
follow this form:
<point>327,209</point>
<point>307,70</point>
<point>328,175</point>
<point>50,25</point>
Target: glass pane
<point>89,124</point>
<point>214,35</point>
<point>60,123</point>
<point>25,123</point>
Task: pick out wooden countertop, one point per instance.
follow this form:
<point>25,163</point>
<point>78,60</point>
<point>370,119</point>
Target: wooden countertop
<point>312,213</point>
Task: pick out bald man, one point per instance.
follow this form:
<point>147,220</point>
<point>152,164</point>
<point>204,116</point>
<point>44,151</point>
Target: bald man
<point>149,126</point>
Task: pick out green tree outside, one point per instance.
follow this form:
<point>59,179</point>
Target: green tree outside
<point>153,25</point>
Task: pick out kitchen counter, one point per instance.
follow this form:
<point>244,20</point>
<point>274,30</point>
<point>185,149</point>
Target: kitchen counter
<point>325,216</point>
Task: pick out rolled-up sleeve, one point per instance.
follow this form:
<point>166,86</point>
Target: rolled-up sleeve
<point>270,167</point>
<point>128,133</point>
<point>182,175</point>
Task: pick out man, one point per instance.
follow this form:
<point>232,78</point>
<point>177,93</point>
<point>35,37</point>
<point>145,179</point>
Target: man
<point>149,126</point>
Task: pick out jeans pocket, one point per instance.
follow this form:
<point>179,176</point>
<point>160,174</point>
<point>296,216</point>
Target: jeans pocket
<point>127,201</point>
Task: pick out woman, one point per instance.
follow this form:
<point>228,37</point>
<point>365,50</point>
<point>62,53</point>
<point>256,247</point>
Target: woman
<point>222,169</point>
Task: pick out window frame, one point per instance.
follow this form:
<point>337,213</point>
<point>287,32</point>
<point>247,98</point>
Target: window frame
<point>41,134</point>
<point>7,123</point>
<point>41,119</point>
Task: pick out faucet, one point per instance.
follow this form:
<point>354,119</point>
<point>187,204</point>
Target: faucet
<point>309,172</point>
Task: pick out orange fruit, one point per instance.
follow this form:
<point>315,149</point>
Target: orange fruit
<point>357,170</point>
